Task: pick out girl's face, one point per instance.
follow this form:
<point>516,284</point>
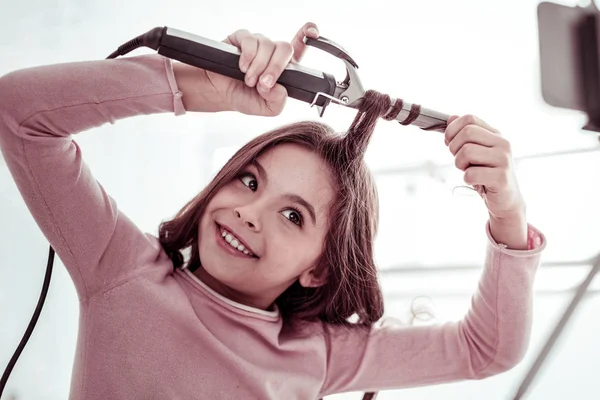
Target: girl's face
<point>279,208</point>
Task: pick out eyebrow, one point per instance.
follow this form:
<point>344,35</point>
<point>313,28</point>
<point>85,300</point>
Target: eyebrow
<point>292,197</point>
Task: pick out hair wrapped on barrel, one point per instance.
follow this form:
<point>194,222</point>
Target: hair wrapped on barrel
<point>375,105</point>
<point>357,138</point>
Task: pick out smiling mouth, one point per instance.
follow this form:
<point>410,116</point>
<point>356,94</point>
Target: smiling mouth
<point>242,253</point>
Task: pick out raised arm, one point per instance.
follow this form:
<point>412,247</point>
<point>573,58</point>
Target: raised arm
<point>491,338</point>
<point>40,109</point>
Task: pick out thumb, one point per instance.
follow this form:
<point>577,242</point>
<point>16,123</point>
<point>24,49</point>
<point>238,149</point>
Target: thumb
<point>308,30</point>
<point>451,119</point>
<point>273,101</point>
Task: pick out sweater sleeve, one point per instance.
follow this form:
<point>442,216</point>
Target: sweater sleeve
<point>492,337</point>
<point>40,109</point>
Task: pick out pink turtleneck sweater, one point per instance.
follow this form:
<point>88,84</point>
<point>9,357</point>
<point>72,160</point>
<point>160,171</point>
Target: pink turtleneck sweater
<point>146,332</point>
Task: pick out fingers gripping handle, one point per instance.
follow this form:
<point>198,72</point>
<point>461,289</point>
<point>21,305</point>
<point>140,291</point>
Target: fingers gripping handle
<point>300,82</point>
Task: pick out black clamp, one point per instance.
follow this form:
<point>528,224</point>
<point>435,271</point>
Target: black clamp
<point>350,89</point>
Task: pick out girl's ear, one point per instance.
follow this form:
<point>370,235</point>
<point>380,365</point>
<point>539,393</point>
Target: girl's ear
<point>310,278</point>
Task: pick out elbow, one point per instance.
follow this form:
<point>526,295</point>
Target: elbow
<point>512,357</point>
<point>491,354</point>
<point>9,91</point>
<point>502,361</point>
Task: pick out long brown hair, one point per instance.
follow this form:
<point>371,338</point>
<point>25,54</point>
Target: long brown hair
<point>352,288</point>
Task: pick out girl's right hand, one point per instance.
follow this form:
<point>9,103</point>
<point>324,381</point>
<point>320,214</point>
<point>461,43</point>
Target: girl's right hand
<point>263,61</point>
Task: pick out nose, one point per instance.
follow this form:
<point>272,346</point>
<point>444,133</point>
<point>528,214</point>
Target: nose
<point>248,216</point>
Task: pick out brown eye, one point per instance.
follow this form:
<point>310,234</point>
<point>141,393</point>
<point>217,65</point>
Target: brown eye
<point>250,181</point>
<point>295,216</point>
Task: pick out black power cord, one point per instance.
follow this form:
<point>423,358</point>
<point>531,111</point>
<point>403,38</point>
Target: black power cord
<point>32,323</point>
<point>149,39</point>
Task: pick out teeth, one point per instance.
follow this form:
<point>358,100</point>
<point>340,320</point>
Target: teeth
<point>234,242</point>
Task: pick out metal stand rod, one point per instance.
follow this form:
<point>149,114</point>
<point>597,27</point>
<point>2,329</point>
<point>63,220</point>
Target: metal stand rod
<point>557,331</point>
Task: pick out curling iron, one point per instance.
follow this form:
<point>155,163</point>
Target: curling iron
<point>304,84</point>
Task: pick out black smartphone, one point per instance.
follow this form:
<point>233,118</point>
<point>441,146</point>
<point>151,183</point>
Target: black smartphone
<point>560,54</point>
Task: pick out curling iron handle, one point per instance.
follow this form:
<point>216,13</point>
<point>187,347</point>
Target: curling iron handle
<point>301,83</point>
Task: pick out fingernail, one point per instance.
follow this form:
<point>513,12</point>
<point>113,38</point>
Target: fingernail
<point>244,67</point>
<point>313,31</point>
<point>446,141</point>
<point>251,81</point>
<point>267,80</point>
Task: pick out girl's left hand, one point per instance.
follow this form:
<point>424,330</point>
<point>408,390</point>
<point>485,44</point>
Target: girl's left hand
<point>485,157</point>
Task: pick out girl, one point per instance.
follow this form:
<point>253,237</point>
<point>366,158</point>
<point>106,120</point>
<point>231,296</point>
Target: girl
<point>281,243</point>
